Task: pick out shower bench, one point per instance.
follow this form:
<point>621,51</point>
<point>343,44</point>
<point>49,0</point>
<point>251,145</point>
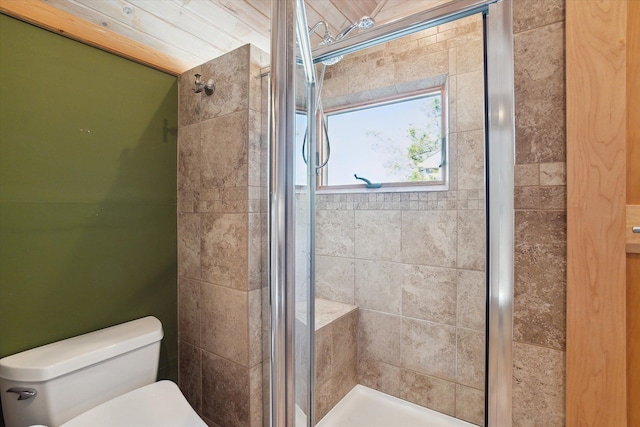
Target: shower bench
<point>336,353</point>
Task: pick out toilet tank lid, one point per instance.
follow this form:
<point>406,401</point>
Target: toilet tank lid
<point>61,357</point>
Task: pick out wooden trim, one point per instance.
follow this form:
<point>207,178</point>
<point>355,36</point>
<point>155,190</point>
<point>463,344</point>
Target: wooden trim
<point>633,102</point>
<point>633,219</point>
<point>633,198</point>
<point>48,17</point>
<point>633,339</point>
<point>596,181</point>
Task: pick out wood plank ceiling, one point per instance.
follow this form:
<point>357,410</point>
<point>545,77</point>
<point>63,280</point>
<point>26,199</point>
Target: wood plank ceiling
<point>196,31</point>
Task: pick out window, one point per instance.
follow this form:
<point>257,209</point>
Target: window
<point>398,143</point>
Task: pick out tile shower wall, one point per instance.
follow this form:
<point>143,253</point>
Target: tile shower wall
<point>220,220</point>
<point>540,203</point>
<point>414,262</point>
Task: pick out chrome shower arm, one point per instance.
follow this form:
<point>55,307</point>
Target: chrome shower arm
<point>317,24</point>
<point>346,31</point>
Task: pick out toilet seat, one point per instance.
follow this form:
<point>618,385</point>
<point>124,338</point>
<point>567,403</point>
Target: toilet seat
<point>160,404</point>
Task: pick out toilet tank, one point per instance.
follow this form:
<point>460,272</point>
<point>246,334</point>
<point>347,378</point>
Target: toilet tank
<point>76,374</point>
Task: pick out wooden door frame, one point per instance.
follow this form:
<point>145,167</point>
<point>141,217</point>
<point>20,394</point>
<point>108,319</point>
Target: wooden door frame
<point>596,200</point>
<point>633,210</point>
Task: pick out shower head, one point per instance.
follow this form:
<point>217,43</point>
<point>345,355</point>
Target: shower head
<point>366,22</point>
<point>363,23</point>
<point>328,39</point>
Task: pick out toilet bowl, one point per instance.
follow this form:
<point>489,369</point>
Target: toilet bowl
<point>103,378</point>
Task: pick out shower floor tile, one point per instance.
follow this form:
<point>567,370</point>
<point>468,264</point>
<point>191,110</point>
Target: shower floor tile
<point>365,407</point>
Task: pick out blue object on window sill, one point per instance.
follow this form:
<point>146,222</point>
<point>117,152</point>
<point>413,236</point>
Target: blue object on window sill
<point>368,183</point>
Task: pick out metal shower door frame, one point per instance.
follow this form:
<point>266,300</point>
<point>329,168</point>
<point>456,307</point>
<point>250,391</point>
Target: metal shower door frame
<point>500,155</point>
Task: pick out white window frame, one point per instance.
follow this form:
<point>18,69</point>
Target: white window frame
<point>442,185</point>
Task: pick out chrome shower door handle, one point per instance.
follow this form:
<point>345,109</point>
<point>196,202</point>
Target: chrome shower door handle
<point>24,393</point>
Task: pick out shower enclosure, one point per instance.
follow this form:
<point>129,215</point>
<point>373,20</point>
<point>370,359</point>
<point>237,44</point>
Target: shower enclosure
<point>401,281</point>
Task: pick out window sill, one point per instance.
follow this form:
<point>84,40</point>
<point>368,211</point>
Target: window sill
<point>384,189</point>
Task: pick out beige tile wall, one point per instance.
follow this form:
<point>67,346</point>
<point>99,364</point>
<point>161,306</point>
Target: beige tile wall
<point>414,262</point>
<point>220,240</point>
<point>540,202</point>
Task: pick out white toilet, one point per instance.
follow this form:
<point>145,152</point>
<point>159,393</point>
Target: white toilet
<point>103,378</point>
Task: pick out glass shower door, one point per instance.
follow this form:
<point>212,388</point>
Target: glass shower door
<point>410,255</point>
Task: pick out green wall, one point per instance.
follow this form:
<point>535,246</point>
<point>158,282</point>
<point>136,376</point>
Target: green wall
<point>87,191</point>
